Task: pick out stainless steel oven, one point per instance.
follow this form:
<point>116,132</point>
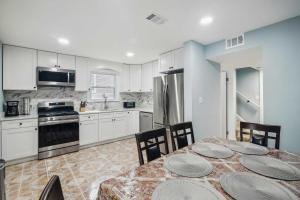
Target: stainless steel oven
<point>55,76</point>
<point>58,129</point>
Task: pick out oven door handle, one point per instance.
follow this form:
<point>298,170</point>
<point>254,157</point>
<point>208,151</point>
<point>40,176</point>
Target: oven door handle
<point>66,121</point>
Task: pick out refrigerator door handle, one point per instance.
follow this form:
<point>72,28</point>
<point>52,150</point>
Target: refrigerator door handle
<point>164,103</point>
<point>167,104</point>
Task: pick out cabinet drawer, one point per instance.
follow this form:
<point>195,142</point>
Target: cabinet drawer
<point>88,117</point>
<point>106,115</point>
<point>19,124</point>
<point>121,114</point>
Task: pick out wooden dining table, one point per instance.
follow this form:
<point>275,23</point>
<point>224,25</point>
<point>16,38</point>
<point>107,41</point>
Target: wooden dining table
<point>139,183</point>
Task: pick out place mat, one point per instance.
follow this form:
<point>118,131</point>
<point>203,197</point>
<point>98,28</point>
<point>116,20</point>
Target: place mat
<point>248,186</point>
<point>212,150</point>
<point>185,190</point>
<point>271,167</point>
<point>247,148</point>
<point>189,165</point>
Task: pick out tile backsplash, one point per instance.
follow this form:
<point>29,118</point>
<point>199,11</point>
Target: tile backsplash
<point>68,94</point>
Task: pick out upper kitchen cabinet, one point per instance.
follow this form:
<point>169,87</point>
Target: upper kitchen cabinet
<point>51,59</point>
<point>125,78</point>
<point>66,61</point>
<point>155,68</point>
<point>135,78</point>
<point>147,77</point>
<point>81,74</point>
<point>19,65</point>
<point>171,60</point>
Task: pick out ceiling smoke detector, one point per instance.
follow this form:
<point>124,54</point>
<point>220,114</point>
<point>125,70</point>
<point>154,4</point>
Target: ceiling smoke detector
<point>156,19</point>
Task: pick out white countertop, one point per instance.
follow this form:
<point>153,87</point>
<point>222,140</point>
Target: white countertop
<point>20,117</point>
<point>142,109</point>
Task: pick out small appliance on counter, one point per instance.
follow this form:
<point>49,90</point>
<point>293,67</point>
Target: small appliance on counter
<point>129,104</point>
<point>12,108</point>
<point>25,106</point>
<point>82,106</point>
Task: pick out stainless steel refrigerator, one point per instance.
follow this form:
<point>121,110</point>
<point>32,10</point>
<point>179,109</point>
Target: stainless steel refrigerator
<point>168,100</point>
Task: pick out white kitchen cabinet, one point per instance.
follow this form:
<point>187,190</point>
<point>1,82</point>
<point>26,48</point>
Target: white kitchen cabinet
<point>88,132</point>
<point>134,122</point>
<point>66,61</point>
<point>19,143</point>
<point>82,81</point>
<point>47,59</point>
<point>121,126</point>
<point>106,129</point>
<point>19,68</point>
<point>171,60</point>
<point>147,77</point>
<point>52,59</point>
<point>155,69</point>
<point>125,78</point>
<point>135,78</point>
<point>166,61</point>
<point>178,59</point>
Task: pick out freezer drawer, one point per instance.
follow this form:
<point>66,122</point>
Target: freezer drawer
<point>146,121</point>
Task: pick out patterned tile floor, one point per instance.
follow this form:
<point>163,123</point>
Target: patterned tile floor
<point>80,172</point>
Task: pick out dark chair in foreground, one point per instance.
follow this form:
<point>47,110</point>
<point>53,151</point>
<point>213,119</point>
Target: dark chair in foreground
<point>150,142</point>
<point>261,139</point>
<point>53,190</point>
<point>179,135</point>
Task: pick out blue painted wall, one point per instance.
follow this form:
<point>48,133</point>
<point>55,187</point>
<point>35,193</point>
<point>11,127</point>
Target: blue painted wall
<point>202,80</point>
<point>280,43</point>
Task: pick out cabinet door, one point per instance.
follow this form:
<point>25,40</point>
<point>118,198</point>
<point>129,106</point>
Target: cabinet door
<point>19,65</point>
<point>178,59</point>
<point>135,78</point>
<point>81,74</point>
<point>19,143</point>
<point>66,61</point>
<point>166,62</point>
<point>88,132</point>
<point>155,69</point>
<point>125,78</point>
<point>121,126</point>
<point>47,59</point>
<point>147,77</point>
<point>134,122</point>
<point>106,129</point>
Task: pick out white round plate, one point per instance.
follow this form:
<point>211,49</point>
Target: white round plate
<point>271,167</point>
<point>247,148</point>
<point>189,165</point>
<point>248,186</point>
<point>178,189</point>
<point>212,150</point>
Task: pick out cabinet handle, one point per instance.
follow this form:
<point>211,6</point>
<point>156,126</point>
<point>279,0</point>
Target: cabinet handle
<point>34,87</point>
<point>20,124</point>
<point>80,124</point>
<point>171,67</point>
<point>89,117</point>
<point>36,129</point>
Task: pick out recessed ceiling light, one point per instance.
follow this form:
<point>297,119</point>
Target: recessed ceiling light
<point>129,54</point>
<point>63,41</point>
<point>206,20</point>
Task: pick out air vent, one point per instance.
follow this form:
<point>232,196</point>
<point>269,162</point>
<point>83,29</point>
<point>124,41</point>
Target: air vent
<point>235,42</point>
<point>156,19</point>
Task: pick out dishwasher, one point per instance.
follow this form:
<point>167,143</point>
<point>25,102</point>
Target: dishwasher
<point>146,121</point>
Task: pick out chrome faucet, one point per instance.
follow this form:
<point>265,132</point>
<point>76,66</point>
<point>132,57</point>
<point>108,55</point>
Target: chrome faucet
<point>105,102</point>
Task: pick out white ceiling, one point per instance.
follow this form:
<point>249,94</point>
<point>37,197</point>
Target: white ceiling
<point>107,29</point>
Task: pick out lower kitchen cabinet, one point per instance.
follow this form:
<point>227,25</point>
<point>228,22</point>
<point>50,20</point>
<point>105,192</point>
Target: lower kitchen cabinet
<point>106,129</point>
<point>19,142</point>
<point>134,123</point>
<point>88,132</point>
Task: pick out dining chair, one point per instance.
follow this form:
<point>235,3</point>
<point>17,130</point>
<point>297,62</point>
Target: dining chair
<point>179,135</point>
<point>53,190</point>
<point>150,142</point>
<point>261,139</point>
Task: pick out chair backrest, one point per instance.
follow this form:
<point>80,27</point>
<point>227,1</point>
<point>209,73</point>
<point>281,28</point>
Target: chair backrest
<point>261,139</point>
<point>53,190</point>
<point>150,142</point>
<point>179,135</point>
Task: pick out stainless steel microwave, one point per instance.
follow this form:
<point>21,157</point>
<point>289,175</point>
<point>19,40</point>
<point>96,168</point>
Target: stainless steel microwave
<point>53,76</point>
